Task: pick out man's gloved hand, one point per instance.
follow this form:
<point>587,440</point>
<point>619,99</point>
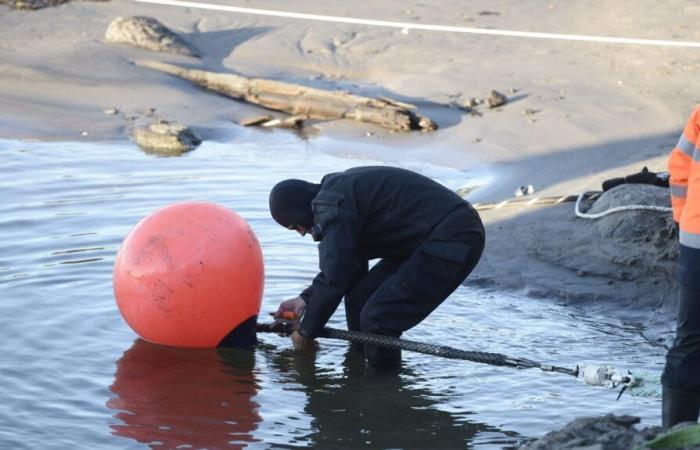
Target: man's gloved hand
<point>290,312</point>
<point>301,343</point>
<point>291,309</point>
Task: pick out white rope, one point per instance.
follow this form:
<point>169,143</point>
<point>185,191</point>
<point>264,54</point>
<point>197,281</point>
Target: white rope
<point>407,26</point>
<point>616,209</point>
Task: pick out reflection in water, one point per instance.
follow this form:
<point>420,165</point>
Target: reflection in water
<point>363,408</point>
<point>170,397</point>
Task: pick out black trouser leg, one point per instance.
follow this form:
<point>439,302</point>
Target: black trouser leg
<point>678,406</point>
<point>419,285</point>
<point>681,377</point>
<point>356,299</point>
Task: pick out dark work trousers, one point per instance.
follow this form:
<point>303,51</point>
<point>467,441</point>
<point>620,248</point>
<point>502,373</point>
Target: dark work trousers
<point>395,295</point>
<point>682,369</point>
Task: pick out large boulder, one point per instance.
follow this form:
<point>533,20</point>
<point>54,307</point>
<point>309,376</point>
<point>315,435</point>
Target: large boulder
<point>166,138</point>
<point>148,33</point>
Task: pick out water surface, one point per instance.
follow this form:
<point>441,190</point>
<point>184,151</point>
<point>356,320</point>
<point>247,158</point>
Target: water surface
<point>75,376</point>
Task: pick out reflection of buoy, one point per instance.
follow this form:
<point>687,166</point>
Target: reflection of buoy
<point>188,274</point>
<point>185,398</point>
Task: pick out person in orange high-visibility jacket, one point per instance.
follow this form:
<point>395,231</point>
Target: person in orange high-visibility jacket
<point>681,377</point>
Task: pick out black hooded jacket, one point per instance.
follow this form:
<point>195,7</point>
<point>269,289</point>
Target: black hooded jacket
<point>362,214</point>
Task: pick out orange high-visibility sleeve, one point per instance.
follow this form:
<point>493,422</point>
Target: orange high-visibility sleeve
<point>679,163</point>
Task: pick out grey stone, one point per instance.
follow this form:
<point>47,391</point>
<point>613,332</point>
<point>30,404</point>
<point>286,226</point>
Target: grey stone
<point>166,138</point>
<point>148,33</point>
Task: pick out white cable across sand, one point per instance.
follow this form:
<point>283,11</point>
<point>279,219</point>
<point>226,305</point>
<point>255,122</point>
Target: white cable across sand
<point>418,26</point>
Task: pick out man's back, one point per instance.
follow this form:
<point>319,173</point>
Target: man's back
<point>394,209</point>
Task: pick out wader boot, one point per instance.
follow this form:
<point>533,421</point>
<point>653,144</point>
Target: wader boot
<point>679,406</point>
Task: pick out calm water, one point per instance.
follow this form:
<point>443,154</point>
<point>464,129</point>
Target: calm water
<point>75,376</point>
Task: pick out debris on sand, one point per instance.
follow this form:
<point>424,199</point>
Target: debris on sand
<point>256,120</point>
<point>268,121</point>
<point>166,137</point>
<point>148,33</point>
<point>471,104</point>
<point>496,99</point>
<point>524,190</point>
<point>298,100</point>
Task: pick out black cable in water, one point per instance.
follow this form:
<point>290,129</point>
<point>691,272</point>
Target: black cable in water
<point>443,351</point>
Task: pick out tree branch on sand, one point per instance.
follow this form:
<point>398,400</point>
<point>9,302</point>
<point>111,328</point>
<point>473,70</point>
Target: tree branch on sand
<point>297,100</point>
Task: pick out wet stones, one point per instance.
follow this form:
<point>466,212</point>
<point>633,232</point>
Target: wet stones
<point>471,104</point>
<point>148,33</point>
<point>166,138</point>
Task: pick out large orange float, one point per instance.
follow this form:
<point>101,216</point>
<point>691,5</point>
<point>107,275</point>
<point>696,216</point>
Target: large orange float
<point>188,274</point>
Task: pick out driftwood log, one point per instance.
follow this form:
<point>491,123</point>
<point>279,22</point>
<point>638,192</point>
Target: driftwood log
<point>303,101</point>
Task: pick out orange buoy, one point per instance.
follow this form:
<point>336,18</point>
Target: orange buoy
<point>188,274</point>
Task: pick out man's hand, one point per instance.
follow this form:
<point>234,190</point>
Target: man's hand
<point>301,343</point>
<point>290,308</point>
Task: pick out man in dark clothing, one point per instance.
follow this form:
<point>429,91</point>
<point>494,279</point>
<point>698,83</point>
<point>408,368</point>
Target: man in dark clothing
<point>428,238</point>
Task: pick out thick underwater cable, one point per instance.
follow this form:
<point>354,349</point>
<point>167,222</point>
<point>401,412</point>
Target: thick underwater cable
<point>494,359</point>
<point>640,385</point>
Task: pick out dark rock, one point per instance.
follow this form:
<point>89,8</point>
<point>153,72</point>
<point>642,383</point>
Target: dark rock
<point>609,432</point>
<point>148,33</point>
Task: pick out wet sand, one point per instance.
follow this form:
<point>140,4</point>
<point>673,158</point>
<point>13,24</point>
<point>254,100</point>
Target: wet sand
<point>578,113</point>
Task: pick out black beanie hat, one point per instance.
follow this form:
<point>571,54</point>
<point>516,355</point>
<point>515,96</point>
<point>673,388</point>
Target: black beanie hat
<point>290,202</point>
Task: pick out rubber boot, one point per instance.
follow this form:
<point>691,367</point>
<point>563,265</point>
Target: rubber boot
<point>383,359</point>
<point>679,406</point>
